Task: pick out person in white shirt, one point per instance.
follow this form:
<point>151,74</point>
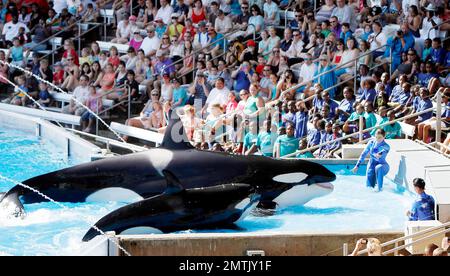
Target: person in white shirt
<point>151,43</point>
<point>11,30</point>
<point>271,13</point>
<point>59,5</point>
<point>219,95</point>
<point>295,50</point>
<point>80,94</point>
<point>376,40</point>
<point>345,14</point>
<point>165,12</point>
<point>223,23</point>
<point>429,22</point>
<point>123,31</point>
<point>307,73</point>
<point>201,37</point>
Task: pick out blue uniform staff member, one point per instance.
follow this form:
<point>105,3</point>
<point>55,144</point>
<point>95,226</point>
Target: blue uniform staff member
<point>423,207</point>
<point>377,168</point>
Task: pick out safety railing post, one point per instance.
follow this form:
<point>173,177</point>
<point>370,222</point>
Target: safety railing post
<point>438,116</point>
<point>96,120</point>
<point>396,251</point>
<point>361,128</point>
<point>129,101</point>
<point>356,73</point>
<point>79,39</point>
<point>345,249</point>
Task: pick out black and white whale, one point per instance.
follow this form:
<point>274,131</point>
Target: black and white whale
<point>133,177</point>
<point>180,209</point>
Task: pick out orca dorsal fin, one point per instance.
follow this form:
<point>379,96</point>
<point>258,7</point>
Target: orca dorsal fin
<point>175,136</point>
<point>173,184</point>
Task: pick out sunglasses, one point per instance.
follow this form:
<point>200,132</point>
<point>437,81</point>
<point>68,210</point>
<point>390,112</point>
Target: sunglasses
<point>296,34</point>
<point>155,95</point>
<point>165,38</point>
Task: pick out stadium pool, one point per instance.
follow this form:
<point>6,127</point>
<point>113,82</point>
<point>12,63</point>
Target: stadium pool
<point>50,230</point>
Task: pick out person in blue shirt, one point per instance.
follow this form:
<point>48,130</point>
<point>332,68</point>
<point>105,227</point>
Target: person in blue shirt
<point>377,168</point>
<point>326,114</point>
<point>369,94</point>
<point>325,75</point>
<point>326,137</point>
<point>301,120</point>
<point>345,108</point>
<point>315,135</point>
<point>251,137</point>
<point>317,101</point>
<point>424,78</point>
<point>424,104</point>
<point>437,54</point>
<point>346,33</point>
<point>267,138</point>
<point>400,43</point>
<point>286,144</point>
<point>44,95</point>
<point>288,118</point>
<point>423,206</point>
<point>397,90</point>
<point>179,94</point>
<point>332,104</point>
<point>404,100</point>
<point>242,77</point>
<point>218,44</point>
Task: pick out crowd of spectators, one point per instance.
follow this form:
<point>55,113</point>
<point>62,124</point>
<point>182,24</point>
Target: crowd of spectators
<point>247,82</point>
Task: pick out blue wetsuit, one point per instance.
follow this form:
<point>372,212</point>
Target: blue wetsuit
<point>423,208</point>
<point>377,167</point>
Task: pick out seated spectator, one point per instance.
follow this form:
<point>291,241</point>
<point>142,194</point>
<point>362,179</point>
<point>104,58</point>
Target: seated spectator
<point>218,95</point>
<point>425,127</point>
<point>325,75</point>
<point>95,105</point>
<point>345,108</point>
<point>145,116</point>
<point>373,247</point>
<point>325,11</point>
<point>79,97</point>
<point>271,13</point>
<point>423,206</point>
<point>429,249</point>
<point>223,23</point>
<point>44,96</point>
<point>393,131</point>
<point>287,143</point>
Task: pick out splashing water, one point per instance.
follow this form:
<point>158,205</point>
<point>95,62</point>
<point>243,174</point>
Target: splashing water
<point>62,91</point>
<point>40,214</point>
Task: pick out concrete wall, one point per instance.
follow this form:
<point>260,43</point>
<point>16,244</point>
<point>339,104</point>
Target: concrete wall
<point>274,244</point>
<point>72,145</point>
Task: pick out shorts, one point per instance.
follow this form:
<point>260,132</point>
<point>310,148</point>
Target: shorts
<point>87,116</point>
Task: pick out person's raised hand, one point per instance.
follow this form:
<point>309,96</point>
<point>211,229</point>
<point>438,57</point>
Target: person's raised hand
<point>355,170</point>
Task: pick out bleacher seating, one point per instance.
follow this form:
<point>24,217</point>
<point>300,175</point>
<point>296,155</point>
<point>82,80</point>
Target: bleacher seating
<point>121,48</point>
<point>147,135</point>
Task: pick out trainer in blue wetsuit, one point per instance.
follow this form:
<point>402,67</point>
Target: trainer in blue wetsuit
<point>423,206</point>
<point>377,167</point>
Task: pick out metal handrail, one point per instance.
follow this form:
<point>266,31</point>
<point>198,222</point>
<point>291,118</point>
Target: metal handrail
<point>431,229</point>
<point>109,141</point>
<point>437,25</point>
<point>360,132</point>
<point>77,37</point>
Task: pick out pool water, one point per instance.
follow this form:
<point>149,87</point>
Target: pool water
<point>50,230</point>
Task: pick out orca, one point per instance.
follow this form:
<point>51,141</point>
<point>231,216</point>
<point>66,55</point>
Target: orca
<point>180,209</point>
<point>140,175</point>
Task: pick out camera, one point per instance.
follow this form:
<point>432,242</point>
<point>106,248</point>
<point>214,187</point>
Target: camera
<point>328,43</point>
<point>399,33</point>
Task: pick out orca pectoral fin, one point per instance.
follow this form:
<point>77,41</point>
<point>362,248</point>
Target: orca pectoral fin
<point>12,204</point>
<point>173,183</point>
<point>135,215</point>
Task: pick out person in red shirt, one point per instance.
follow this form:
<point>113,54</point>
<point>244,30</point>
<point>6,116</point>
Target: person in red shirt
<point>58,75</point>
<point>69,50</point>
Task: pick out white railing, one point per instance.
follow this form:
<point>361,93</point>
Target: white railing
<point>403,239</point>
